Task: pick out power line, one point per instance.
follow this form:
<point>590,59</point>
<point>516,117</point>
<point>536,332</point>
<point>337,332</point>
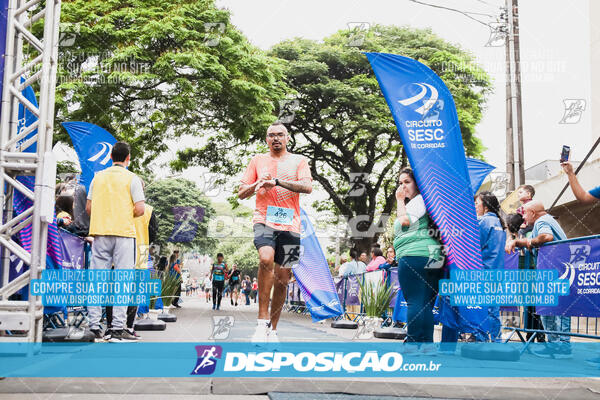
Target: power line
<point>467,14</point>
<point>489,4</point>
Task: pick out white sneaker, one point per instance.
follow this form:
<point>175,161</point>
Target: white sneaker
<point>261,335</point>
<point>272,337</point>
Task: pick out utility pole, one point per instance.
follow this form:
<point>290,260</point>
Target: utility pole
<point>514,115</point>
<point>515,166</point>
<point>510,143</point>
<point>517,58</point>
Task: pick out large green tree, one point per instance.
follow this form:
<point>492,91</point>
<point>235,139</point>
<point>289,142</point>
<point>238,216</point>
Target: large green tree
<point>164,195</point>
<point>148,71</point>
<point>340,121</point>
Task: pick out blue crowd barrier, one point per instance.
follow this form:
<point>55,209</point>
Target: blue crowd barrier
<point>576,260</point>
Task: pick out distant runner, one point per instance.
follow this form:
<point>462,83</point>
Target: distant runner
<point>277,178</point>
<point>234,284</point>
<point>218,272</point>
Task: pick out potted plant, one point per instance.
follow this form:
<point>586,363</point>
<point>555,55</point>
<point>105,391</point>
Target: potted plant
<point>169,286</point>
<point>170,283</point>
<point>375,299</point>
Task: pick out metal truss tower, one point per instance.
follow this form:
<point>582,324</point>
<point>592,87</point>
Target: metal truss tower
<point>38,70</point>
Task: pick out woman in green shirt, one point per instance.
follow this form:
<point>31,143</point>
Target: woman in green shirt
<point>419,258</point>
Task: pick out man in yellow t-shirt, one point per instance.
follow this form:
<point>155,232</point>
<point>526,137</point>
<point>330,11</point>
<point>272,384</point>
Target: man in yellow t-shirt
<point>115,198</point>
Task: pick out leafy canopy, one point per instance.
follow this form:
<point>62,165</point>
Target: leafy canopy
<point>149,71</point>
<point>340,121</point>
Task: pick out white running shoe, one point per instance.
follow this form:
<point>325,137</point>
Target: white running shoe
<point>261,335</point>
<point>272,337</point>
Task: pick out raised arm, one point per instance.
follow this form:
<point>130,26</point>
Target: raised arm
<point>246,191</point>
<point>529,243</point>
<point>580,193</point>
<point>301,186</point>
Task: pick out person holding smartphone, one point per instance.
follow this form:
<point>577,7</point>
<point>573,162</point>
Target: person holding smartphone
<point>580,193</point>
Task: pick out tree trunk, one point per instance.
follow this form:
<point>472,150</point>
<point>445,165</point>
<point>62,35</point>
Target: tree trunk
<point>364,244</point>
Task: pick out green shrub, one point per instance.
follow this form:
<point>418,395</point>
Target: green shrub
<point>375,298</point>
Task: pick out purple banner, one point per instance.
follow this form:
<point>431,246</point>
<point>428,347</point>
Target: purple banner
<point>339,286</point>
<point>72,249</point>
<point>395,284</point>
<point>352,290</point>
<point>577,261</point>
<point>511,261</point>
<point>400,312</point>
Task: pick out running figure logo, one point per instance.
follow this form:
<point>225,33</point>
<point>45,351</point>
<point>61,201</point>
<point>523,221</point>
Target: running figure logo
<point>207,359</point>
<point>574,109</point>
<point>579,255</point>
<point>222,325</point>
<point>358,182</point>
<point>292,255</point>
<point>187,219</point>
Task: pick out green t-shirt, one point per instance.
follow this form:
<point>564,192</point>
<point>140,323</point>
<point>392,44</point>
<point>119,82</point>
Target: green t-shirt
<point>415,240</point>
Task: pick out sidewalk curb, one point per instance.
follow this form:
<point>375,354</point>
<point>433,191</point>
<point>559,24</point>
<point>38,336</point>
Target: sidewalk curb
<point>448,388</point>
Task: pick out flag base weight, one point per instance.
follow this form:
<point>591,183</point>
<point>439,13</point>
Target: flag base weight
<point>390,333</point>
<point>344,324</point>
<point>167,317</point>
<point>148,324</point>
<point>69,334</point>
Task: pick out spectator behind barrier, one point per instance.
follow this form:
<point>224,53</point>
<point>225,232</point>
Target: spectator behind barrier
<point>162,264</point>
<point>64,211</point>
<point>492,240</point>
<point>390,261</point>
<point>364,258</point>
<point>513,224</point>
<point>81,219</point>
<point>545,229</point>
<point>525,194</point>
<point>352,267</point>
<point>376,259</point>
<point>338,269</point>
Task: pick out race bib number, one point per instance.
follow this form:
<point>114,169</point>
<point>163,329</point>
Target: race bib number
<point>280,215</point>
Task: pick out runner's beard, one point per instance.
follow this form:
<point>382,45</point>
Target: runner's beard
<point>279,147</point>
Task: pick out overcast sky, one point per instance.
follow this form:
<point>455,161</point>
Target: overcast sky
<point>554,51</point>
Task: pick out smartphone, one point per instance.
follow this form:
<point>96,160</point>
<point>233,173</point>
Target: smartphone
<point>564,156</point>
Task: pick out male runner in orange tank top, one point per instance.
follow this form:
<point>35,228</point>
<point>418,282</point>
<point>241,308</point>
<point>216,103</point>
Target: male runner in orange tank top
<point>277,178</point>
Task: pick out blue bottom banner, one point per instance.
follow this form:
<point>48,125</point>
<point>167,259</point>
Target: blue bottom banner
<point>298,359</point>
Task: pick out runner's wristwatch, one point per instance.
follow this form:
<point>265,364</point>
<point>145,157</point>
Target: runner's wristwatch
<point>276,182</point>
